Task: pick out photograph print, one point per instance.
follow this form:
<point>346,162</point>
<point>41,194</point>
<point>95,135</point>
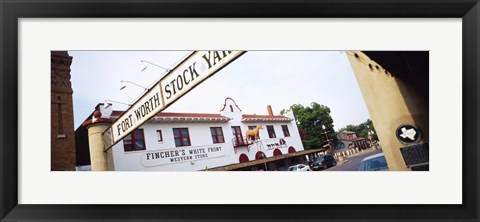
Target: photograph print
<point>308,111</point>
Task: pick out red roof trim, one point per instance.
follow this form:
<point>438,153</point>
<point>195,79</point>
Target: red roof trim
<point>168,114</point>
<point>263,117</point>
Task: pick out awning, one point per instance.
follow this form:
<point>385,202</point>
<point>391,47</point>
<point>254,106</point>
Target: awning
<point>262,161</point>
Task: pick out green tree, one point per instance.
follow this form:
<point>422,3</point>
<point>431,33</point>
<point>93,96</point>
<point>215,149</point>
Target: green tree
<point>361,130</point>
<point>310,119</point>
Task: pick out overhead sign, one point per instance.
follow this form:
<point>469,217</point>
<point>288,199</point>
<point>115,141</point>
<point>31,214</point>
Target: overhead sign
<point>197,67</point>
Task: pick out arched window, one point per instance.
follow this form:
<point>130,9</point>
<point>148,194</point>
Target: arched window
<point>243,158</point>
<point>260,155</point>
<point>291,149</point>
<point>277,152</point>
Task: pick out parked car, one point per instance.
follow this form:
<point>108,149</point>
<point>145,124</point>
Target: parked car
<point>299,167</point>
<point>376,162</point>
<point>323,162</point>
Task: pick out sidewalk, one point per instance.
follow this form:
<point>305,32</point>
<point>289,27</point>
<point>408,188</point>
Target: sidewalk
<point>371,149</point>
<point>344,160</point>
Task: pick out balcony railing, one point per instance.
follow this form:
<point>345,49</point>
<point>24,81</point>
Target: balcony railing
<point>241,143</point>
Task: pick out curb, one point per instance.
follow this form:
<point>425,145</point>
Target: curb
<point>342,162</point>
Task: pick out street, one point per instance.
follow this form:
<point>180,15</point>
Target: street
<point>352,162</point>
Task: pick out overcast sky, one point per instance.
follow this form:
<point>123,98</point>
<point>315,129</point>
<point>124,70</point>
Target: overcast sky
<point>254,80</point>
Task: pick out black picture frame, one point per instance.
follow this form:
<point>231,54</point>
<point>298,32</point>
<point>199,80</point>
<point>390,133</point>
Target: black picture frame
<point>11,11</point>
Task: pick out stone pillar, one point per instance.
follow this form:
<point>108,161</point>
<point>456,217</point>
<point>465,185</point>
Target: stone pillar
<point>95,127</point>
<point>391,102</point>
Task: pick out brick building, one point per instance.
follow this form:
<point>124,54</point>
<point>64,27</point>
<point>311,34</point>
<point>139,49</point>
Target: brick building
<point>351,141</point>
<point>62,129</point>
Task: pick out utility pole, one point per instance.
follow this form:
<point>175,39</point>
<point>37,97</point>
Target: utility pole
<point>328,140</point>
<point>370,137</point>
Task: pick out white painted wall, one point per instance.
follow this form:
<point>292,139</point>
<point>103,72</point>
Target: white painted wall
<point>200,137</point>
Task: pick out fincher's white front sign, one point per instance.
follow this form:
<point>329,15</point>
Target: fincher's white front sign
<point>197,67</point>
<point>181,155</point>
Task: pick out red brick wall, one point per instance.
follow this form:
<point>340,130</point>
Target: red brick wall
<point>62,128</point>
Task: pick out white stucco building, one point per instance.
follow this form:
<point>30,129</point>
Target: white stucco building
<point>208,141</point>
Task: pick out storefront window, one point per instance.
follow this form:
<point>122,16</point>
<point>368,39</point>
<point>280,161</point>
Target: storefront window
<point>271,131</point>
<point>181,136</point>
<point>134,141</point>
<point>286,133</point>
<point>237,133</point>
<point>217,134</point>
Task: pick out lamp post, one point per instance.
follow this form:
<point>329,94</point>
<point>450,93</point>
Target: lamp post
<point>328,140</point>
<point>370,136</point>
<point>124,86</point>
<point>112,101</point>
<point>263,157</point>
<point>151,63</point>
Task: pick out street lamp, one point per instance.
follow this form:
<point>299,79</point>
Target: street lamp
<point>324,132</point>
<point>328,140</point>
<point>151,63</point>
<point>370,136</point>
<point>112,101</point>
<point>124,86</point>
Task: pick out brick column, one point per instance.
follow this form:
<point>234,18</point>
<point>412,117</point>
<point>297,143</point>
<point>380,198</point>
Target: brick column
<point>62,152</point>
